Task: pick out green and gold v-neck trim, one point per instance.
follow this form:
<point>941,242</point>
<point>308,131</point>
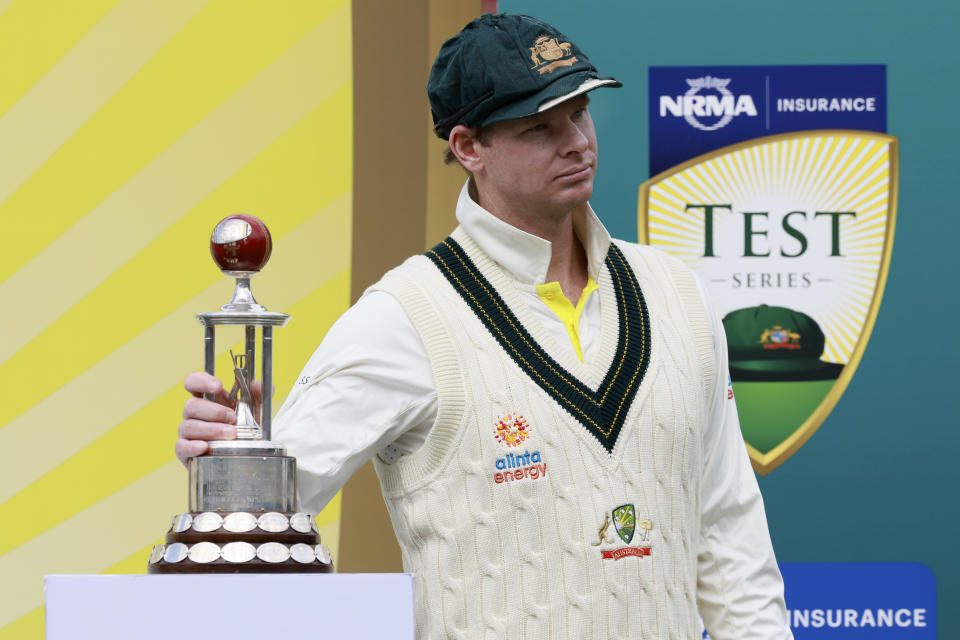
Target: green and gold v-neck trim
<point>602,412</point>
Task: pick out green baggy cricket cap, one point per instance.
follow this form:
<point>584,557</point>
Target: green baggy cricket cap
<point>776,344</point>
<point>503,67</point>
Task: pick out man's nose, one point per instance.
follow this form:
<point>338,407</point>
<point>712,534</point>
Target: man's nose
<point>576,140</point>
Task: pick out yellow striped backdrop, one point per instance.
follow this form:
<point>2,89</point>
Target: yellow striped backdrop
<point>127,130</point>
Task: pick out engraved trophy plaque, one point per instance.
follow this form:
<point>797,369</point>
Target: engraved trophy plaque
<point>242,493</point>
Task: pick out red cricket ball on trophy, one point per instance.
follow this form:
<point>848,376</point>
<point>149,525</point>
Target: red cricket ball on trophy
<point>241,242</point>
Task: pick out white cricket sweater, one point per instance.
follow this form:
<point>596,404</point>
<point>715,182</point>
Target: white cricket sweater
<point>502,527</point>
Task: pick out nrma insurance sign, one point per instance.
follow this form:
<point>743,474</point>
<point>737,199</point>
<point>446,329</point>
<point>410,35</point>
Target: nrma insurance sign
<point>708,111</point>
<point>698,109</point>
<point>790,233</point>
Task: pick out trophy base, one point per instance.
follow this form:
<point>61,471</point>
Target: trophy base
<point>242,476</point>
<point>222,566</point>
<point>241,542</point>
<point>242,497</point>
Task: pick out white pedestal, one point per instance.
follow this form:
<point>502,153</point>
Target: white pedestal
<point>147,607</point>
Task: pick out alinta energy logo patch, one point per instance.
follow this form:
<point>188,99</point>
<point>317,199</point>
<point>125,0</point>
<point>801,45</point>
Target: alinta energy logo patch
<point>511,431</point>
<point>626,526</point>
<point>791,234</point>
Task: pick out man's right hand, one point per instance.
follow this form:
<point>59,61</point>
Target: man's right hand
<point>205,420</point>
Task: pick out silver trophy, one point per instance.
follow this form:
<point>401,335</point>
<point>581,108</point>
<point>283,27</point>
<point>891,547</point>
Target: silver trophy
<point>242,493</point>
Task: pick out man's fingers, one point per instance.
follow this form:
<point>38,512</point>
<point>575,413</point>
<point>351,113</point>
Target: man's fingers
<point>201,382</point>
<point>186,449</point>
<point>201,409</point>
<point>203,419</point>
<point>201,430</point>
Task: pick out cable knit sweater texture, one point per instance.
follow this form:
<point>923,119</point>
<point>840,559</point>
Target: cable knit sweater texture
<point>522,555</point>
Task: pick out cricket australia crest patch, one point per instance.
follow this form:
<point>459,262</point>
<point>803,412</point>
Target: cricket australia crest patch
<point>626,525</point>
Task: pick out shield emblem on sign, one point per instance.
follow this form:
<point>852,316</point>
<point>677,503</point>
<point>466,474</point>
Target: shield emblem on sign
<point>791,237</point>
<point>625,521</point>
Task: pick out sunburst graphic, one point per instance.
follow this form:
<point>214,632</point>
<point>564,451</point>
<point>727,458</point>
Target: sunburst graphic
<point>803,221</point>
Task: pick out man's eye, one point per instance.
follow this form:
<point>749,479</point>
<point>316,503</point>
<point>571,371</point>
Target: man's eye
<point>536,128</point>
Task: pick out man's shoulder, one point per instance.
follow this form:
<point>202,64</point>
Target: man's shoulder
<point>429,264</point>
<point>655,267</point>
<point>415,277</point>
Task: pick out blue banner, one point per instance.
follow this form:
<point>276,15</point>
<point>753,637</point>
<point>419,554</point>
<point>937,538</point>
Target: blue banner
<point>694,110</point>
<point>860,600</point>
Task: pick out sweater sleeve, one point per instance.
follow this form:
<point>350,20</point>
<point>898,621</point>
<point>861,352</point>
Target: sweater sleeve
<point>739,588</point>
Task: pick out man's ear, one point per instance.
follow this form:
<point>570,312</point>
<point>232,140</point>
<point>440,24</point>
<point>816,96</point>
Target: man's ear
<point>463,144</point>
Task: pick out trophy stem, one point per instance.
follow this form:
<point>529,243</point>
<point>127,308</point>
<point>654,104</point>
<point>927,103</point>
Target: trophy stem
<point>209,353</point>
<point>250,350</point>
<point>243,299</point>
<point>267,377</point>
<point>247,428</point>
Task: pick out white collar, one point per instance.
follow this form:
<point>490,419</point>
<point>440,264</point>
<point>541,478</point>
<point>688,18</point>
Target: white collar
<point>523,255</point>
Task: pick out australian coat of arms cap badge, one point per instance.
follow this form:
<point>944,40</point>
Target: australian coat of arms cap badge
<point>548,54</point>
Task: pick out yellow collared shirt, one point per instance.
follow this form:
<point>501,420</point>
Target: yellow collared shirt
<point>552,295</point>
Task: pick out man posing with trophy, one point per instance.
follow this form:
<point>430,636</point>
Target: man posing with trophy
<point>546,408</point>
